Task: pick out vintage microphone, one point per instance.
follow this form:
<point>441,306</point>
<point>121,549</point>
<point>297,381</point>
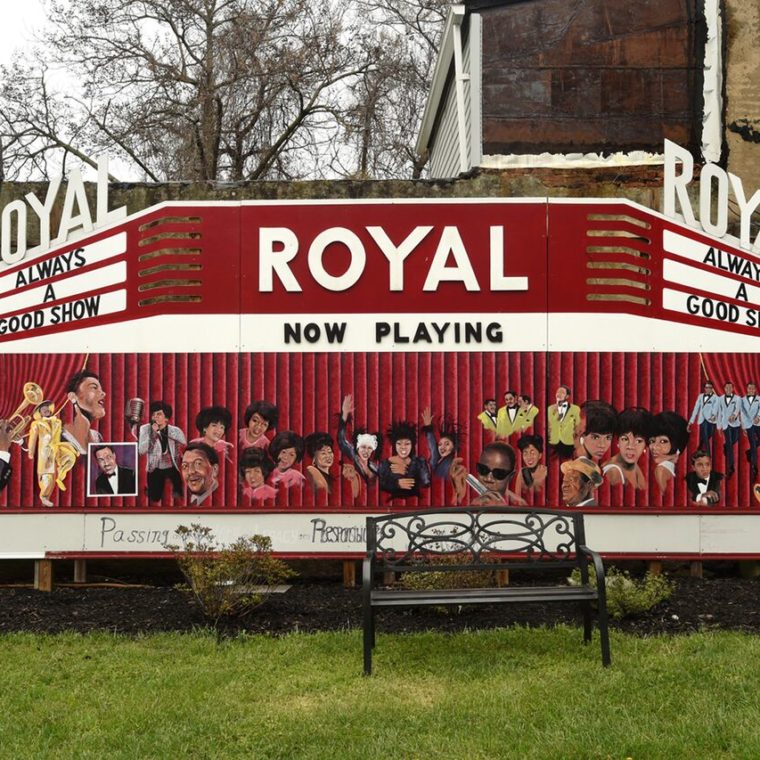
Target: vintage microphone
<point>133,411</point>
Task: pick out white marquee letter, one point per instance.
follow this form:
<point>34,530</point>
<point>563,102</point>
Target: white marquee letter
<point>710,172</point>
<point>676,185</point>
<point>355,268</point>
<point>397,255</point>
<point>498,280</point>
<point>451,243</point>
<point>75,194</point>
<point>277,261</point>
<point>19,207</point>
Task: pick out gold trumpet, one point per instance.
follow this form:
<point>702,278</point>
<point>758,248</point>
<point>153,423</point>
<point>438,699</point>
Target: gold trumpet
<point>18,422</point>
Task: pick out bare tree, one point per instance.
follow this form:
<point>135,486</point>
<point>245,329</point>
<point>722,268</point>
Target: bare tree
<point>224,89</point>
<point>387,100</point>
<point>198,89</point>
<point>35,121</point>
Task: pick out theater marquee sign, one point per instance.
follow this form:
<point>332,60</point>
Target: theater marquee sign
<point>290,367</point>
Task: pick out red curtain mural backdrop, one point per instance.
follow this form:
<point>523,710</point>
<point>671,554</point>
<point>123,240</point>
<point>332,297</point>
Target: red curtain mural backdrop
<point>308,390</point>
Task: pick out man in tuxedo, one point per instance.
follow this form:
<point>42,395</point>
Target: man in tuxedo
<point>506,417</point>
<point>114,479</point>
<point>706,414</point>
<point>702,482</point>
<point>488,416</point>
<point>564,423</point>
<point>5,455</point>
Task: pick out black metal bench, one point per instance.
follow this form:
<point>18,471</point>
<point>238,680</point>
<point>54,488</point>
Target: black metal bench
<point>458,539</point>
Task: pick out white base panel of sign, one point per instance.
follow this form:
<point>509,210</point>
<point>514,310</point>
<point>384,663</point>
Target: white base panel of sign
<point>331,533</point>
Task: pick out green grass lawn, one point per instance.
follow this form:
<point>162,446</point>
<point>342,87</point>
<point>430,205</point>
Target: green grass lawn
<point>511,693</point>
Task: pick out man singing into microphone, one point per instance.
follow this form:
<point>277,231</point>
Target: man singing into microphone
<point>161,442</point>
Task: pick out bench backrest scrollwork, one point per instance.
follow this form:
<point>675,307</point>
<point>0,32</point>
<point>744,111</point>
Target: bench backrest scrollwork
<point>477,536</point>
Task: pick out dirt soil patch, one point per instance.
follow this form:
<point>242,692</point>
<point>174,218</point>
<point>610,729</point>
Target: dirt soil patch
<point>696,604</point>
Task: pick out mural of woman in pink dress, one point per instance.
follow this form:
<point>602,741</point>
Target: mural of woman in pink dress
<point>260,418</point>
<point>254,468</point>
<point>213,422</point>
<point>286,450</point>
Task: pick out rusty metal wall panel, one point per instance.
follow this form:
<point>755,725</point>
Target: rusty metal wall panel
<point>598,75</point>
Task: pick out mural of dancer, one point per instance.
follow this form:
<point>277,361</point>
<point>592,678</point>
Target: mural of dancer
<point>360,451</point>
<point>404,473</point>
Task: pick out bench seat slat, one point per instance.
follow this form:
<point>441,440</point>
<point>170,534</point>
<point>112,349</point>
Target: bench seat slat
<point>406,597</point>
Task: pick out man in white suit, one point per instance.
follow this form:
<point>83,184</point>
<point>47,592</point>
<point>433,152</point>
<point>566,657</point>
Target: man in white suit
<point>706,413</point>
<point>729,422</point>
<point>751,424</point>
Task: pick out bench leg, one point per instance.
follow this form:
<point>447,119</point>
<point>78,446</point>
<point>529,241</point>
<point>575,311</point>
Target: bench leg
<point>587,622</point>
<point>368,638</point>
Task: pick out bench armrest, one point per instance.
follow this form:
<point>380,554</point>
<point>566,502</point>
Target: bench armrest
<point>599,568</point>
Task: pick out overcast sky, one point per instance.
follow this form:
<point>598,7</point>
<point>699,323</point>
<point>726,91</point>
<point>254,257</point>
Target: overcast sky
<point>17,24</point>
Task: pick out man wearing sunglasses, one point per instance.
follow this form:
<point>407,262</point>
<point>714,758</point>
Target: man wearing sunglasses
<point>494,470</point>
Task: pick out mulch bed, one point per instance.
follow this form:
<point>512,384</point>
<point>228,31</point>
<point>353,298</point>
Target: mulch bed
<point>696,604</point>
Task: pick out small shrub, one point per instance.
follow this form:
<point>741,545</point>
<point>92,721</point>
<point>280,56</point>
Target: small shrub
<point>442,579</point>
<point>627,596</point>
<point>227,581</point>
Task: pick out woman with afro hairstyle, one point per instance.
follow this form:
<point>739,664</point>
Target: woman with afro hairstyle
<point>668,438</point>
<point>634,430</point>
<point>213,422</point>
<point>403,473</point>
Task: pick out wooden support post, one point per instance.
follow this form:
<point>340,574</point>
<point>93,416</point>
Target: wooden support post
<point>349,573</point>
<point>655,567</point>
<point>695,569</point>
<point>502,577</point>
<point>389,578</point>
<point>43,574</point>
<point>80,571</point>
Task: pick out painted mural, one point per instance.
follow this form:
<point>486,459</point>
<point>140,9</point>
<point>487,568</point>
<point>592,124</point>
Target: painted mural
<point>353,431</point>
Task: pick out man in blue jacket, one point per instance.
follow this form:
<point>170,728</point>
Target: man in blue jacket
<point>706,414</point>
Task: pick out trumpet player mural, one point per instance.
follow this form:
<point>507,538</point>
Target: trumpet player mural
<point>55,458</point>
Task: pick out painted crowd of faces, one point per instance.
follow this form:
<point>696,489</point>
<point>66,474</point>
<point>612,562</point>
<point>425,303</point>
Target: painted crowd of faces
<point>402,460</point>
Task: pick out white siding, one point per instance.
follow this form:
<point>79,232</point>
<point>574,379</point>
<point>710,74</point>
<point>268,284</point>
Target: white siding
<point>444,154</point>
